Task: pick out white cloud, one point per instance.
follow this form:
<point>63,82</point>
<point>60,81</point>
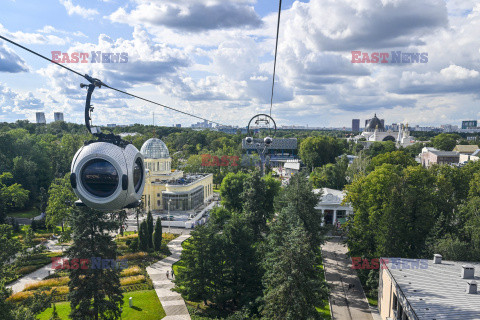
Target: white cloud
<point>10,61</point>
<point>32,38</point>
<point>76,9</point>
<point>190,16</point>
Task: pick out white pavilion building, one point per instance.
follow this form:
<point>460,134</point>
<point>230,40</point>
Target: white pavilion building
<point>331,207</point>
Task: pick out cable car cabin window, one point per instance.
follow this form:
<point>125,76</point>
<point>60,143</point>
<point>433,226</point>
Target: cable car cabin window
<point>137,174</point>
<point>99,177</point>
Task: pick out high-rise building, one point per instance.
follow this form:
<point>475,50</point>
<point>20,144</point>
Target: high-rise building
<point>355,125</point>
<point>178,125</point>
<point>58,116</point>
<point>469,124</point>
<point>40,117</point>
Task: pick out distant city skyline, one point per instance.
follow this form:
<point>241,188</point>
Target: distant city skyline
<point>221,69</point>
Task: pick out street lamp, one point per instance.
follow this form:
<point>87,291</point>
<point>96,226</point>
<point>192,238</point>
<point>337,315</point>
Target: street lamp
<point>168,217</point>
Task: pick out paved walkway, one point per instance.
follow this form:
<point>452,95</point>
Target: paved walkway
<point>348,303</point>
<point>37,275</point>
<point>172,302</point>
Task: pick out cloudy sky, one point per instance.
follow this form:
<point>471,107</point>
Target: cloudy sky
<point>214,58</point>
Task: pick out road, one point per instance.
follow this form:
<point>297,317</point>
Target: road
<point>346,294</point>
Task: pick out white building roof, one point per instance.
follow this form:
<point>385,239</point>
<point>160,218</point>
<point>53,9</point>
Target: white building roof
<point>330,196</point>
<point>437,291</point>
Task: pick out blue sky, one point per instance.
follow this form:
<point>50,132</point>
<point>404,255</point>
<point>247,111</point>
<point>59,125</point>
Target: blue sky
<point>215,58</point>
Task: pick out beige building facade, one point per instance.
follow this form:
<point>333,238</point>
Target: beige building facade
<point>172,190</point>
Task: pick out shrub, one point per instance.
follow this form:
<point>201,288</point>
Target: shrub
<point>20,296</point>
<point>133,246</point>
<point>26,269</point>
<point>132,280</point>
<point>134,256</point>
<point>47,283</point>
<point>132,271</point>
<point>168,237</point>
<point>128,236</point>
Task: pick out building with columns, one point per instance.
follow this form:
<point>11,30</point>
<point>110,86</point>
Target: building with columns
<point>331,207</point>
<point>375,131</point>
<point>171,190</point>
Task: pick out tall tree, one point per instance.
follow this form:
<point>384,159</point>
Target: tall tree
<point>95,291</point>
<point>143,236</point>
<point>150,229</point>
<point>61,202</point>
<point>157,235</point>
<point>194,280</point>
<point>231,190</point>
<point>330,175</point>
<point>12,196</point>
<point>272,189</point>
<point>317,151</point>
<point>253,198</point>
<point>293,286</point>
<point>299,195</point>
<point>445,141</point>
<point>242,271</point>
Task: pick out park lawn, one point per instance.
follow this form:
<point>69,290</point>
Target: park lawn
<point>146,306</point>
<point>27,213</point>
<point>325,311</point>
<point>372,301</point>
<point>178,266</point>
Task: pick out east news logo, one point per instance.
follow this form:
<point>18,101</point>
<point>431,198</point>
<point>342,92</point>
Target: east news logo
<point>395,57</point>
<point>95,57</point>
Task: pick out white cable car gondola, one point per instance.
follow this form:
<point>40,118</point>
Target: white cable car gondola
<point>107,174</point>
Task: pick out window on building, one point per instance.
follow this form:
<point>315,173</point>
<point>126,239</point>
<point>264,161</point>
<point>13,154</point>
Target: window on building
<point>395,302</point>
<point>184,201</point>
<point>158,195</point>
<point>341,214</point>
<point>158,203</point>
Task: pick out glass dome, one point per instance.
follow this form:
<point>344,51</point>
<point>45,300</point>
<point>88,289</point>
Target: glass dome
<point>154,149</point>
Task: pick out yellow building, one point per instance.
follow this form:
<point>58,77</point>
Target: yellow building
<point>165,187</point>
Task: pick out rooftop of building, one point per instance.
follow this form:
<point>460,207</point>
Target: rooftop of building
<point>374,124</point>
<point>330,195</point>
<point>445,153</point>
<point>277,143</point>
<point>188,179</point>
<point>436,291</point>
<point>155,148</point>
<point>468,148</point>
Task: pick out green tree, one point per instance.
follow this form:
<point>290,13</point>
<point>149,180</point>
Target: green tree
<point>95,291</point>
<point>272,189</point>
<point>61,202</point>
<point>157,235</point>
<point>198,258</point>
<point>150,229</point>
<point>10,246</point>
<point>317,151</point>
<point>254,200</point>
<point>143,236</point>
<point>299,196</point>
<point>12,196</point>
<point>394,212</point>
<point>445,141</point>
<point>381,147</point>
<point>241,273</point>
<point>231,190</point>
<point>293,286</point>
<point>330,175</point>
<point>394,157</point>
